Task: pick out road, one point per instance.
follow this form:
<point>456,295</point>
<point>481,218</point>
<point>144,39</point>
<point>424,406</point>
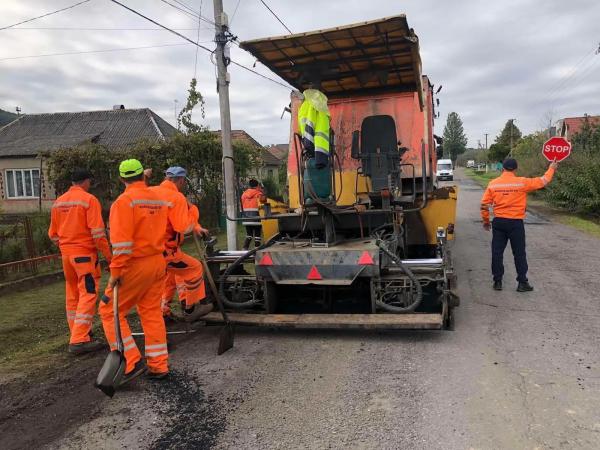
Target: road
<point>521,371</point>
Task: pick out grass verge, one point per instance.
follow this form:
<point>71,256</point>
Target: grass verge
<point>33,326</point>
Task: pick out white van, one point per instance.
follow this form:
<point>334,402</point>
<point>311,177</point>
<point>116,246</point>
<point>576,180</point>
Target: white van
<point>444,170</point>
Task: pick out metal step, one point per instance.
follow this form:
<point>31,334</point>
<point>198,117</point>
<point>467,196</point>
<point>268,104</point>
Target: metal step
<point>346,321</point>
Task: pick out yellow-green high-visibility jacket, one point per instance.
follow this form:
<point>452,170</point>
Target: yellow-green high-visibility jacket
<point>313,121</point>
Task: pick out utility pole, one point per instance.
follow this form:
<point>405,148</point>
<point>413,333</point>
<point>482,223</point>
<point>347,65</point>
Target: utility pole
<point>221,27</point>
<point>512,124</point>
<point>486,135</point>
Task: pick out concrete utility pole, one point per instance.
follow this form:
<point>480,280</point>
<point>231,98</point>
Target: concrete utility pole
<point>512,124</point>
<point>221,25</point>
<point>486,135</point>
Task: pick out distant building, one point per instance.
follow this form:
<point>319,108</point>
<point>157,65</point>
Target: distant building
<point>271,158</point>
<point>24,185</point>
<point>570,126</point>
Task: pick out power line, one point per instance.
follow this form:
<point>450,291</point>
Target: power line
<point>191,13</point>
<point>276,16</point>
<point>96,29</point>
<point>234,12</point>
<point>92,51</point>
<point>200,46</point>
<point>197,41</point>
<point>44,15</point>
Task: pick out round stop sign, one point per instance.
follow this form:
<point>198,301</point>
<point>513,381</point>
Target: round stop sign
<point>556,149</point>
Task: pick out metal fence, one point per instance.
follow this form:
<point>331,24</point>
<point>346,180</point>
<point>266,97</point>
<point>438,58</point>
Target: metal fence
<point>17,242</point>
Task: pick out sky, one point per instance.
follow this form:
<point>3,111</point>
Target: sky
<point>532,61</point>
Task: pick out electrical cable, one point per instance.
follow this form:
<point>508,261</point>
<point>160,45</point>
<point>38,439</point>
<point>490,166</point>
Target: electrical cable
<point>234,12</point>
<point>44,15</point>
<point>192,14</point>
<point>200,46</point>
<point>276,16</point>
<point>93,51</point>
<point>197,42</point>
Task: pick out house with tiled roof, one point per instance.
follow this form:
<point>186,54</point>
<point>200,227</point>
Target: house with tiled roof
<point>270,161</point>
<point>24,186</point>
<point>570,126</point>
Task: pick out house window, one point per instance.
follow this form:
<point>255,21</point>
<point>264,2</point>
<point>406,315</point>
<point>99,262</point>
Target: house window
<point>270,173</point>
<point>22,183</point>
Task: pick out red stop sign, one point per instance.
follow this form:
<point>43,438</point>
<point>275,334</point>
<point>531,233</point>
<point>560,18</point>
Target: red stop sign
<point>556,149</point>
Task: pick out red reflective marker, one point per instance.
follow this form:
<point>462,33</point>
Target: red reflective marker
<point>314,274</point>
<point>366,259</point>
<point>266,260</point>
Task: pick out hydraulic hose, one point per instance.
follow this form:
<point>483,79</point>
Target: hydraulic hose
<point>419,297</point>
<point>236,264</point>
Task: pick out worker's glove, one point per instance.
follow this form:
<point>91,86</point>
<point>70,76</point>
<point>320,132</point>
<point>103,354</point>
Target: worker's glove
<point>487,226</point>
<point>112,282</point>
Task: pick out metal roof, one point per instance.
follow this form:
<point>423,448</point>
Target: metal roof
<point>376,56</point>
<point>32,134</point>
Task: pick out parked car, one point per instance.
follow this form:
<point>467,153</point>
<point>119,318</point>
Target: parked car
<point>470,163</point>
<point>445,170</point>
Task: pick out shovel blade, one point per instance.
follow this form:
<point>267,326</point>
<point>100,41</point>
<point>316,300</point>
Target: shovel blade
<point>225,339</point>
<point>111,373</point>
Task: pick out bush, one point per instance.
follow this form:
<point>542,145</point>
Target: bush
<point>576,185</point>
<point>199,152</point>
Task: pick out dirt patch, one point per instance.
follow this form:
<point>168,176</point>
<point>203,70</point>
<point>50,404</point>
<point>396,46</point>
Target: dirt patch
<point>39,408</point>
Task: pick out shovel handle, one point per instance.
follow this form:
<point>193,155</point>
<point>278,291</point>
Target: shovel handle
<point>119,338</point>
<point>211,281</point>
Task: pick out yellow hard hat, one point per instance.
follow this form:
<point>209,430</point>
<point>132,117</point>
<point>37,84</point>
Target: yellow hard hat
<point>130,168</point>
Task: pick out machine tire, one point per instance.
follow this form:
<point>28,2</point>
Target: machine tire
<point>270,293</point>
<point>450,322</point>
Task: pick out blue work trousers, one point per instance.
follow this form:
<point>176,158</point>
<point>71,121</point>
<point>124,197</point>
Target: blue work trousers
<point>504,230</point>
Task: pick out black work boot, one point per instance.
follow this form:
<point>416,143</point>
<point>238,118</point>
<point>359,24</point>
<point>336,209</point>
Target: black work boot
<point>86,347</point>
<point>498,285</point>
<point>200,309</point>
<point>139,369</point>
<point>524,286</point>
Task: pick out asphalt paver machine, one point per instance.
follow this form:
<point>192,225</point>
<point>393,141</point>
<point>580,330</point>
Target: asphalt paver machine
<point>363,242</point>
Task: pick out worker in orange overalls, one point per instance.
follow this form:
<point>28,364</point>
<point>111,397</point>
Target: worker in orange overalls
<point>138,218</point>
<point>76,226</point>
<point>507,195</point>
<point>187,271</point>
<point>250,199</point>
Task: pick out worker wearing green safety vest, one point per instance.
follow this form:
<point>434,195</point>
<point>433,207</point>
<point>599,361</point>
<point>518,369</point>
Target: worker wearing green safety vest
<point>313,121</point>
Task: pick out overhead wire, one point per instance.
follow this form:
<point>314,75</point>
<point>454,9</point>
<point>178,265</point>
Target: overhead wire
<point>190,13</point>
<point>198,40</point>
<point>45,15</point>
<point>93,51</point>
<point>276,16</point>
<point>234,12</point>
<point>200,46</point>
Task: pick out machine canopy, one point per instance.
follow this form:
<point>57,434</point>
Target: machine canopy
<point>364,58</point>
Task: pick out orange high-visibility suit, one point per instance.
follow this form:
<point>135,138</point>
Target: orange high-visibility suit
<point>187,271</point>
<point>507,194</point>
<point>250,199</point>
<point>77,227</point>
<point>138,219</point>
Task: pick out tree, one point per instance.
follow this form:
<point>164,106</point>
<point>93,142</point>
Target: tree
<point>455,141</point>
<point>506,141</point>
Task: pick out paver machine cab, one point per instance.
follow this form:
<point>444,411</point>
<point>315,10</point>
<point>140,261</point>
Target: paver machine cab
<point>363,241</point>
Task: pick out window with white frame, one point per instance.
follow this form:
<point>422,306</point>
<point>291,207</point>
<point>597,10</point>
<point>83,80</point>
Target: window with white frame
<point>22,183</point>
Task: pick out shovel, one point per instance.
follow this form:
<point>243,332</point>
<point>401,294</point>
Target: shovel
<point>227,333</point>
<point>113,369</point>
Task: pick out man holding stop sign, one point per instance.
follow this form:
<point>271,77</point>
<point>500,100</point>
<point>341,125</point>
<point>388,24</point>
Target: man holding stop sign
<point>507,195</point>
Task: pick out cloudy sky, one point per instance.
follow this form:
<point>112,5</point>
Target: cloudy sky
<point>523,59</point>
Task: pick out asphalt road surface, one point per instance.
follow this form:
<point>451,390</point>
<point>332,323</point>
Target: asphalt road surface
<point>521,371</point>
